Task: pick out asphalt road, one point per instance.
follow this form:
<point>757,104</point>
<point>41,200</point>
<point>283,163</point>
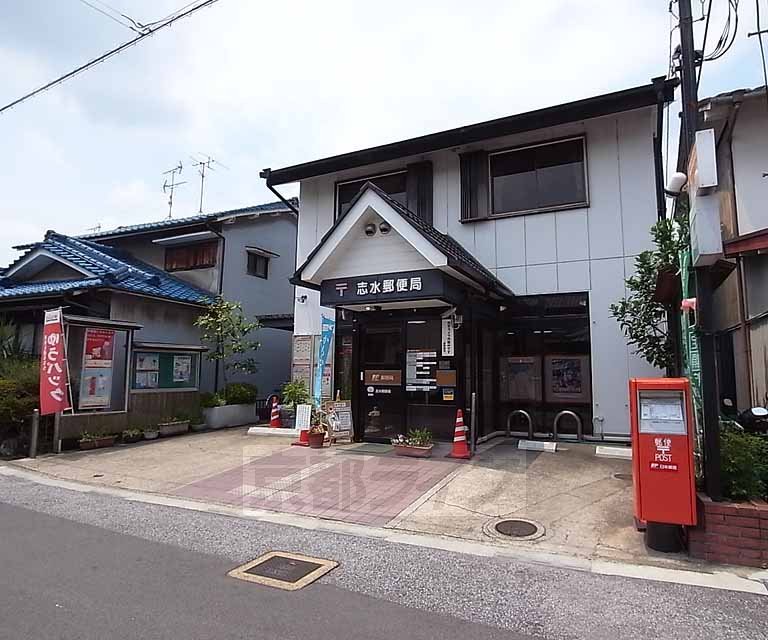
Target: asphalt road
<point>82,565</point>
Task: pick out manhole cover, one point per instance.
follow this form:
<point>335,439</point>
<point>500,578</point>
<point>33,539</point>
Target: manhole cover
<point>516,528</point>
<point>623,476</point>
<point>283,570</point>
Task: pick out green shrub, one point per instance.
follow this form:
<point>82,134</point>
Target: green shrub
<point>295,392</point>
<point>19,390</point>
<point>240,393</point>
<point>210,400</point>
<point>744,460</point>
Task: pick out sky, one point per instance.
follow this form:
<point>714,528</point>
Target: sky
<point>258,84</point>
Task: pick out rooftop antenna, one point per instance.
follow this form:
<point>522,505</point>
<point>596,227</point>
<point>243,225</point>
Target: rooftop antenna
<point>169,188</point>
<point>95,229</point>
<point>202,166</point>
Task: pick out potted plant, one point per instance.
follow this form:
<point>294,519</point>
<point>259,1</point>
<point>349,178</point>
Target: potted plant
<point>151,432</point>
<point>132,434</point>
<point>417,444</point>
<point>197,423</point>
<point>236,405</point>
<point>318,428</point>
<point>294,393</point>
<point>173,425</point>
<point>95,440</point>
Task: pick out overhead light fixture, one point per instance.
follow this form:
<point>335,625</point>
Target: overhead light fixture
<point>368,308</point>
<point>384,228</point>
<point>370,229</point>
<point>417,322</point>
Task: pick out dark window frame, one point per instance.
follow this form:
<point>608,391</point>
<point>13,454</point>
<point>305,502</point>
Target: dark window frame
<point>255,256</point>
<point>363,180</point>
<point>583,204</point>
<point>190,247</point>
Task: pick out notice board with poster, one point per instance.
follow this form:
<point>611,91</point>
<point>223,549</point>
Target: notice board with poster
<point>567,378</point>
<point>520,378</point>
<point>96,373</point>
<point>164,370</point>
<point>341,422</point>
<point>420,370</point>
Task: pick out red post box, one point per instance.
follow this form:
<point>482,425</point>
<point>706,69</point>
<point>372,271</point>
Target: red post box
<point>662,450</point>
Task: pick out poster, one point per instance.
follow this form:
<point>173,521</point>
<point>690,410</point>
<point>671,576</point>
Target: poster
<point>147,361</point>
<point>98,349</point>
<point>520,378</point>
<point>567,379</point>
<point>95,388</point>
<point>54,393</point>
<point>146,380</point>
<point>447,336</point>
<point>182,368</point>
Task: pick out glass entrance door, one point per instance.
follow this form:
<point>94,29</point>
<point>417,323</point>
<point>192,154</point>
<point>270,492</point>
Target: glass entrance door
<point>381,396</point>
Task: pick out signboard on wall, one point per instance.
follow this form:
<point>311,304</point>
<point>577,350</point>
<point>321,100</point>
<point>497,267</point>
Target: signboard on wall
<point>385,287</point>
<point>567,378</point>
<point>54,394</point>
<point>447,336</point>
<point>420,370</point>
<point>520,378</point>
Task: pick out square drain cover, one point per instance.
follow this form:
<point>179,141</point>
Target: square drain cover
<point>283,570</point>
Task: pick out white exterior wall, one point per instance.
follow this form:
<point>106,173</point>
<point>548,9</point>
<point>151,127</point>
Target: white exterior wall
<point>590,249</point>
<point>750,141</point>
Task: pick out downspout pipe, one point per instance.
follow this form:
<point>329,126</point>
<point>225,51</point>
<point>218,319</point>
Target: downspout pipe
<point>266,175</point>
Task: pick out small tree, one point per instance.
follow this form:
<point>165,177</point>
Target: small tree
<point>226,330</point>
<point>644,320</point>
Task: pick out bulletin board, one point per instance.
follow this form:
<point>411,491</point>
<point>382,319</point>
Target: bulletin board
<point>164,370</point>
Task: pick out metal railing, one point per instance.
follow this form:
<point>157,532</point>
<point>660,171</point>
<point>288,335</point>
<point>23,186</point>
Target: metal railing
<point>567,436</point>
<point>527,417</point>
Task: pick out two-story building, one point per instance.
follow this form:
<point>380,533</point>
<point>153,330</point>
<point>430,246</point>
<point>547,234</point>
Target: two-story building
<point>483,260</point>
<point>740,304</point>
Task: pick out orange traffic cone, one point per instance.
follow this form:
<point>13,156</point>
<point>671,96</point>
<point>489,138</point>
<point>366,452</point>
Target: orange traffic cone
<point>460,449</point>
<point>274,420</point>
<point>303,440</point>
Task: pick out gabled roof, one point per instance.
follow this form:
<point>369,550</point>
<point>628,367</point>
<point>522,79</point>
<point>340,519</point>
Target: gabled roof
<point>458,257</point>
<point>658,91</point>
<point>176,223</point>
<point>104,268</point>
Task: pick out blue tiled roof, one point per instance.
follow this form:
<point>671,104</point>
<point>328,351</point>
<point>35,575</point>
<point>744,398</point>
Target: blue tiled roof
<point>106,267</point>
<point>172,223</point>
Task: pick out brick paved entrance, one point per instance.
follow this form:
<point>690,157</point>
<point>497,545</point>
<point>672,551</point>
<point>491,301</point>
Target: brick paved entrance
<point>359,488</point>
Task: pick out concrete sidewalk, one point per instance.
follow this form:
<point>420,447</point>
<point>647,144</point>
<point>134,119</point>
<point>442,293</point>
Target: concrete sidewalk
<point>582,504</point>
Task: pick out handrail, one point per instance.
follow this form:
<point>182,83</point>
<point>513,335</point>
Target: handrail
<point>575,416</point>
<point>528,418</point>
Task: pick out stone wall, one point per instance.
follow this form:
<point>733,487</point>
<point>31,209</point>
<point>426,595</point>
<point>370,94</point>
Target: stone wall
<point>731,532</point>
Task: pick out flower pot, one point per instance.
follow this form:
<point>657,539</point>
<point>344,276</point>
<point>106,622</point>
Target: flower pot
<point>196,428</point>
<point>230,415</point>
<point>97,443</point>
<point>288,418</point>
<point>411,451</point>
<point>173,428</point>
<point>150,434</point>
<point>316,440</point>
<point>129,439</point>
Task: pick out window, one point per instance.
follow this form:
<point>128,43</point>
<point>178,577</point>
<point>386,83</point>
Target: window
<point>394,184</point>
<point>196,256</point>
<point>258,265</point>
<point>540,177</point>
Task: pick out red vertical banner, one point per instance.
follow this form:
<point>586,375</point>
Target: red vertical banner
<point>54,395</point>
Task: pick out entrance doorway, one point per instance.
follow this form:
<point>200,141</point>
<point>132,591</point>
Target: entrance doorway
<point>404,382</point>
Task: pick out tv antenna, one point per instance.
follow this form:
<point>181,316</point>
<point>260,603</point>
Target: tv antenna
<point>169,188</point>
<point>202,167</point>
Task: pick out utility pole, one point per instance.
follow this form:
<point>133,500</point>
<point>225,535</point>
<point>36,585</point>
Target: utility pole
<point>709,395</point>
<point>169,188</point>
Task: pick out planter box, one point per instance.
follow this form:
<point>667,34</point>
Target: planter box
<point>287,419</point>
<point>413,452</point>
<point>230,415</point>
<point>730,532</point>
<point>131,439</point>
<point>151,435</point>
<point>98,443</point>
<point>173,428</point>
<point>196,428</point>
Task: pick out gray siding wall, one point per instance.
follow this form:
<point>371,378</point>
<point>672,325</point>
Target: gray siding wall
<point>259,297</point>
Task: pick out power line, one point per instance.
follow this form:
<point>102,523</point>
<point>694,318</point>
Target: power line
<point>105,56</point>
<point>109,15</point>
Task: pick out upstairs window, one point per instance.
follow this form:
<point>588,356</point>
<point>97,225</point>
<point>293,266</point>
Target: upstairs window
<point>258,265</point>
<point>393,184</point>
<point>195,256</point>
<point>538,178</point>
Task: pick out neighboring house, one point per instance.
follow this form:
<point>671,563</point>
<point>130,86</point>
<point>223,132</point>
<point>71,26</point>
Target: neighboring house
<point>246,255</point>
<point>740,122</point>
<point>136,292</point>
<point>483,260</point>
